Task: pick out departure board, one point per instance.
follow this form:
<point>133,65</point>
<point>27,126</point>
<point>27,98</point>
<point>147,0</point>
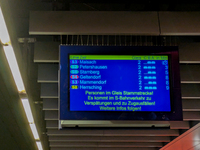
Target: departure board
<point>119,83</point>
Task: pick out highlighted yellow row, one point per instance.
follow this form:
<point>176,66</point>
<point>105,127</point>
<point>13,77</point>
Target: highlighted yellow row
<point>119,57</point>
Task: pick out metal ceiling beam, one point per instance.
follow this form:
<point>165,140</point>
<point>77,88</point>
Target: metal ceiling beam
<point>102,148</point>
<point>93,23</point>
<point>52,124</point>
<point>179,125</point>
<point>105,144</point>
<point>179,23</point>
<point>109,132</point>
<point>51,115</point>
<point>113,22</point>
<point>49,90</point>
<point>48,73</point>
<point>191,104</point>
<point>187,115</point>
<point>191,115</point>
<point>109,139</point>
<point>189,90</point>
<point>50,104</point>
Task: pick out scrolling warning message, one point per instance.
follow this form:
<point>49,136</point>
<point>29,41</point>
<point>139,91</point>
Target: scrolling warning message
<point>119,83</point>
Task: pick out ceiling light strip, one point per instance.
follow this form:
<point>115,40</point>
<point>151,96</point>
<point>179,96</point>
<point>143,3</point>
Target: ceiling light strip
<point>9,52</point>
<point>4,36</point>
<point>27,109</point>
<point>39,145</point>
<point>34,131</point>
<point>10,56</point>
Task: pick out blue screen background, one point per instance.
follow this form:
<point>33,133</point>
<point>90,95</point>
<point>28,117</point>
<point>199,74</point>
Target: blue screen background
<point>123,75</point>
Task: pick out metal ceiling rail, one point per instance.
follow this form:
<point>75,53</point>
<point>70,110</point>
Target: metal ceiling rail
<point>105,144</point>
<point>110,132</point>
<point>93,22</point>
<point>109,139</point>
<point>113,22</point>
<point>102,148</point>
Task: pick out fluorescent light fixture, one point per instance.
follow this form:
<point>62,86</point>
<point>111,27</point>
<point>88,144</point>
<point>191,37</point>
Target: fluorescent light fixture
<point>39,145</point>
<point>5,39</point>
<point>27,109</point>
<point>10,55</point>
<point>34,131</point>
<point>29,116</point>
<point>4,36</point>
<point>9,52</point>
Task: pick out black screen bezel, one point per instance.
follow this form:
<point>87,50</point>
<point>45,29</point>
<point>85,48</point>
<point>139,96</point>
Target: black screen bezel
<point>174,115</point>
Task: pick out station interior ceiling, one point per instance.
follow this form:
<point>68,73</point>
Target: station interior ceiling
<point>14,129</point>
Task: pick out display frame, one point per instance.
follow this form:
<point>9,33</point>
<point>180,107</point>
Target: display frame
<point>171,51</point>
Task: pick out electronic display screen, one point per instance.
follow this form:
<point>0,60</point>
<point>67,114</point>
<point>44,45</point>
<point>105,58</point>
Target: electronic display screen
<point>119,83</point>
